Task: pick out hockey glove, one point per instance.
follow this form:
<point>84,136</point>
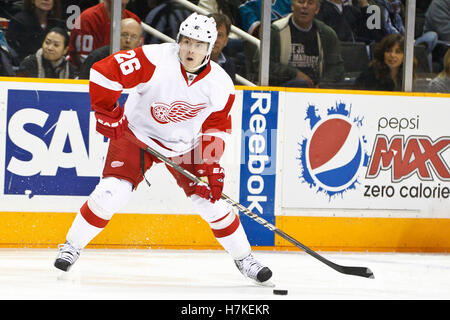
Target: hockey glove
<point>215,174</point>
<point>111,124</point>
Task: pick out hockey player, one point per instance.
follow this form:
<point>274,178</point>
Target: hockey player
<point>180,107</point>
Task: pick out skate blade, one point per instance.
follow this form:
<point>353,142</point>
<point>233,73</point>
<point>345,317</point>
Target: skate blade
<point>268,283</point>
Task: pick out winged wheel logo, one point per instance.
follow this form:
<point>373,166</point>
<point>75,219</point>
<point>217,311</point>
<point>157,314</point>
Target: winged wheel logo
<point>177,111</point>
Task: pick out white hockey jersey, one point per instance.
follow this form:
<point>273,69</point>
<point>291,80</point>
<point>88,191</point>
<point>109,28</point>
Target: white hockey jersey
<point>167,109</point>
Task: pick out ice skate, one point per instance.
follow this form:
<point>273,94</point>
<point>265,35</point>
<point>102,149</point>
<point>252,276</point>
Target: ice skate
<point>67,256</point>
<point>253,269</point>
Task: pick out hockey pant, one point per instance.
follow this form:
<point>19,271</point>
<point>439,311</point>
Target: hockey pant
<point>112,194</point>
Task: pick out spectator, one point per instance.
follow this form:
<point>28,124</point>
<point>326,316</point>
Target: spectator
<point>441,83</point>
<point>94,31</point>
<point>391,13</point>
<point>9,60</point>
<point>235,48</point>
<point>131,37</point>
<point>437,19</point>
<point>166,18</point>
<point>229,8</point>
<point>385,70</point>
<point>142,7</point>
<point>430,39</point>
<point>304,51</point>
<point>49,61</point>
<point>250,14</point>
<point>223,24</point>
<point>27,29</point>
<point>422,7</point>
<point>348,21</point>
<point>9,8</point>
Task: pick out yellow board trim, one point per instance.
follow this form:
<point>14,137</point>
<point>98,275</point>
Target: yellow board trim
<point>281,89</point>
<point>345,91</point>
<point>48,229</point>
<point>366,234</point>
<point>43,80</point>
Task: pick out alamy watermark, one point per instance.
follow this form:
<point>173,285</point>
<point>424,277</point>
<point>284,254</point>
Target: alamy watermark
<point>374,20</point>
<point>73,21</point>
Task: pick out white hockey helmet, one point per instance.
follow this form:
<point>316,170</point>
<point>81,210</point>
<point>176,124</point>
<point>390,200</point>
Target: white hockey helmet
<point>199,27</point>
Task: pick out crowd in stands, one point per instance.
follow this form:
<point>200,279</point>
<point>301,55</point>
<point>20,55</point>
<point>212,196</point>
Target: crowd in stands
<point>314,43</point>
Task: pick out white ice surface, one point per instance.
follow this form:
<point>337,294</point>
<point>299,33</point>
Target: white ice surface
<point>205,274</point>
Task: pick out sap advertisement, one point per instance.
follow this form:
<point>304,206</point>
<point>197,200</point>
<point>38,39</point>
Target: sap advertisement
<point>52,147</point>
<point>387,153</point>
<point>49,150</point>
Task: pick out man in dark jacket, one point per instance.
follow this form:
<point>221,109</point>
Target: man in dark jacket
<point>437,19</point>
<point>223,24</point>
<point>349,21</point>
<point>165,18</point>
<point>304,51</point>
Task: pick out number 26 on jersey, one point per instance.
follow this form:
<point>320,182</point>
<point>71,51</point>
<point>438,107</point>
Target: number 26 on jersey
<point>128,62</point>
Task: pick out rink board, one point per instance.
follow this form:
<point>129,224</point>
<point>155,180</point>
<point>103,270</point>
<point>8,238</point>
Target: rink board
<point>171,231</point>
<point>337,170</point>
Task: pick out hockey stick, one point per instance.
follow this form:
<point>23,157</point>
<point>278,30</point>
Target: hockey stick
<point>355,271</point>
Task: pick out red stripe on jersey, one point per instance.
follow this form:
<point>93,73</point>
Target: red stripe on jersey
<point>129,68</point>
<point>227,230</point>
<point>220,120</point>
<point>212,148</point>
<point>102,98</point>
<point>91,218</point>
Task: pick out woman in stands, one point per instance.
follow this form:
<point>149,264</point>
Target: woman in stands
<point>27,29</point>
<point>385,71</point>
<point>50,60</point>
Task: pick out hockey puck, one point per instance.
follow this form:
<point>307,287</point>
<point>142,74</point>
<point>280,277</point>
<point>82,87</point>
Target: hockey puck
<point>280,292</point>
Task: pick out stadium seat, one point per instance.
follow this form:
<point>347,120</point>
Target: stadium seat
<point>420,53</point>
<point>355,56</point>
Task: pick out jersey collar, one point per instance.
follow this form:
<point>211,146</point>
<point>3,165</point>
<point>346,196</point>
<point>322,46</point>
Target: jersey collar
<point>198,77</point>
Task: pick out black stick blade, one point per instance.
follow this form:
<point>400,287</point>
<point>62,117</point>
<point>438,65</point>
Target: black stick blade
<point>358,271</point>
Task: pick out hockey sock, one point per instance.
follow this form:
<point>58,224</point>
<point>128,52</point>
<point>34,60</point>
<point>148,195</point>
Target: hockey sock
<point>109,196</point>
<point>85,227</point>
<point>231,235</point>
<point>225,225</point>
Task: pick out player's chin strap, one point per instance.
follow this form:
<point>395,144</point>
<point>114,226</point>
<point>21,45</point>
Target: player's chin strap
<point>143,166</point>
<point>200,67</point>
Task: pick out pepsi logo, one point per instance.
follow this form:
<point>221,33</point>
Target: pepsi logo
<point>333,153</point>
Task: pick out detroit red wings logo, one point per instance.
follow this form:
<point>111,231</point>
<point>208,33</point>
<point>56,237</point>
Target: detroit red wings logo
<point>177,111</point>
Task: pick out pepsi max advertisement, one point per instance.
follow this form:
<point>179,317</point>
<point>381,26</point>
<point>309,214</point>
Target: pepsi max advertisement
<point>345,153</point>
